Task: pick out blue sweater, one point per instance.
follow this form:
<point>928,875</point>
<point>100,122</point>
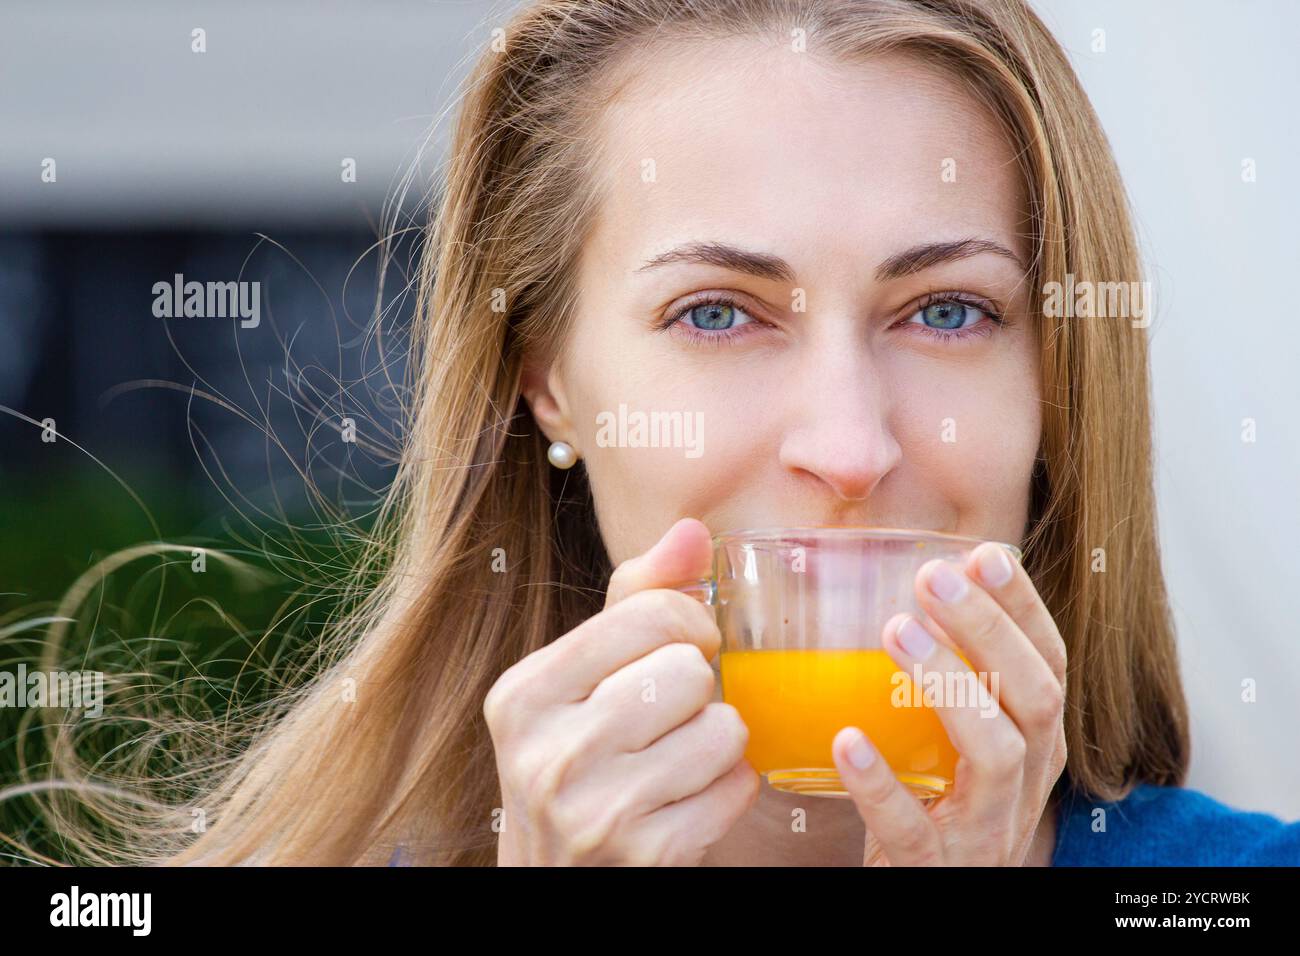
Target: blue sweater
<point>1155,826</point>
<point>1169,826</point>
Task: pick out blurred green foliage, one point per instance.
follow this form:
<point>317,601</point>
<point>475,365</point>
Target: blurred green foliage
<point>209,635</point>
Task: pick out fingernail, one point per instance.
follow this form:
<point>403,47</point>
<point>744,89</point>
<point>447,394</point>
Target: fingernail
<point>994,566</point>
<point>861,754</point>
<point>946,583</point>
<point>915,639</point>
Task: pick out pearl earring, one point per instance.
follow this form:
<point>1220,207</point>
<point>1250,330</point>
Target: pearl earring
<point>561,454</point>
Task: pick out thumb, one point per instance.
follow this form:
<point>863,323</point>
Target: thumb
<point>682,555</point>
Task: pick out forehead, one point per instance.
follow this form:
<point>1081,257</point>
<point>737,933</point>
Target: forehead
<point>794,154</point>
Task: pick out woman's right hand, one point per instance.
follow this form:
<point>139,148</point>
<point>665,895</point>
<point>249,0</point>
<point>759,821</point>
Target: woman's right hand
<point>609,747</point>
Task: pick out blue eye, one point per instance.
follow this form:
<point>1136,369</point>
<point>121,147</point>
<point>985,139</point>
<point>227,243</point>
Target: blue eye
<point>711,318</point>
<point>948,315</point>
<point>951,315</point>
<point>717,315</point>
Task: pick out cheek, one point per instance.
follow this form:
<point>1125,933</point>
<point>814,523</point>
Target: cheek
<point>651,442</point>
<point>971,439</point>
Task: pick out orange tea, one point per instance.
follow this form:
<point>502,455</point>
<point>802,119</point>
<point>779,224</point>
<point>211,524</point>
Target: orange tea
<point>795,702</point>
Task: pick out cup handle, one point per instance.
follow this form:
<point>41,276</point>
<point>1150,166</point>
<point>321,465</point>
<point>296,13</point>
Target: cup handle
<point>705,590</point>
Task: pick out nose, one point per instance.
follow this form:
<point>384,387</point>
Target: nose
<point>839,433</point>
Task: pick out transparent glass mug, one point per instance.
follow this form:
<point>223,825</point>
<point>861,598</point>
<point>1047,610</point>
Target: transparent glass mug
<point>801,611</point>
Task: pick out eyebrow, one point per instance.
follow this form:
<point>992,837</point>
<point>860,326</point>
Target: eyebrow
<point>766,266</point>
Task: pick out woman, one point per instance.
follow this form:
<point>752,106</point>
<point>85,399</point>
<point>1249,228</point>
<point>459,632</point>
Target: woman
<point>825,228</point>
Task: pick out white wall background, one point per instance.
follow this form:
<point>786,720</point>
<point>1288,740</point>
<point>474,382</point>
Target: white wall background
<point>1186,91</point>
<point>144,131</point>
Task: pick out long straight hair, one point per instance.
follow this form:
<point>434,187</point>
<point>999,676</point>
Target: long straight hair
<point>484,554</point>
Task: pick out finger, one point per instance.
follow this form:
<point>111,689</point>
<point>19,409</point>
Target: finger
<point>701,820</point>
<point>1007,582</point>
<point>685,760</point>
<point>991,746</point>
<point>570,668</point>
<point>682,555</point>
<point>898,821</point>
<point>1018,674</point>
<point>639,703</point>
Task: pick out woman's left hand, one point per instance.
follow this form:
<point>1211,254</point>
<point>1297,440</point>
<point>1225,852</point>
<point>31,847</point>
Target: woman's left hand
<point>1007,764</point>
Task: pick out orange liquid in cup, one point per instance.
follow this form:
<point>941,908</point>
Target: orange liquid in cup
<point>795,702</point>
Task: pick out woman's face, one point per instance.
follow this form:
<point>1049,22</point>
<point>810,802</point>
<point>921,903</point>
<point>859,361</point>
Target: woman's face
<point>773,226</point>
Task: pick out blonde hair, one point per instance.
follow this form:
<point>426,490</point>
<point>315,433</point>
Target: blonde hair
<point>319,776</point>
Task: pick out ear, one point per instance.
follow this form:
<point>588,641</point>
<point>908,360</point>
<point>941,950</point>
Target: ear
<point>544,392</point>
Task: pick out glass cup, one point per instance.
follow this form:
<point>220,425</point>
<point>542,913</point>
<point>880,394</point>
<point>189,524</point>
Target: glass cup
<point>801,611</point>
